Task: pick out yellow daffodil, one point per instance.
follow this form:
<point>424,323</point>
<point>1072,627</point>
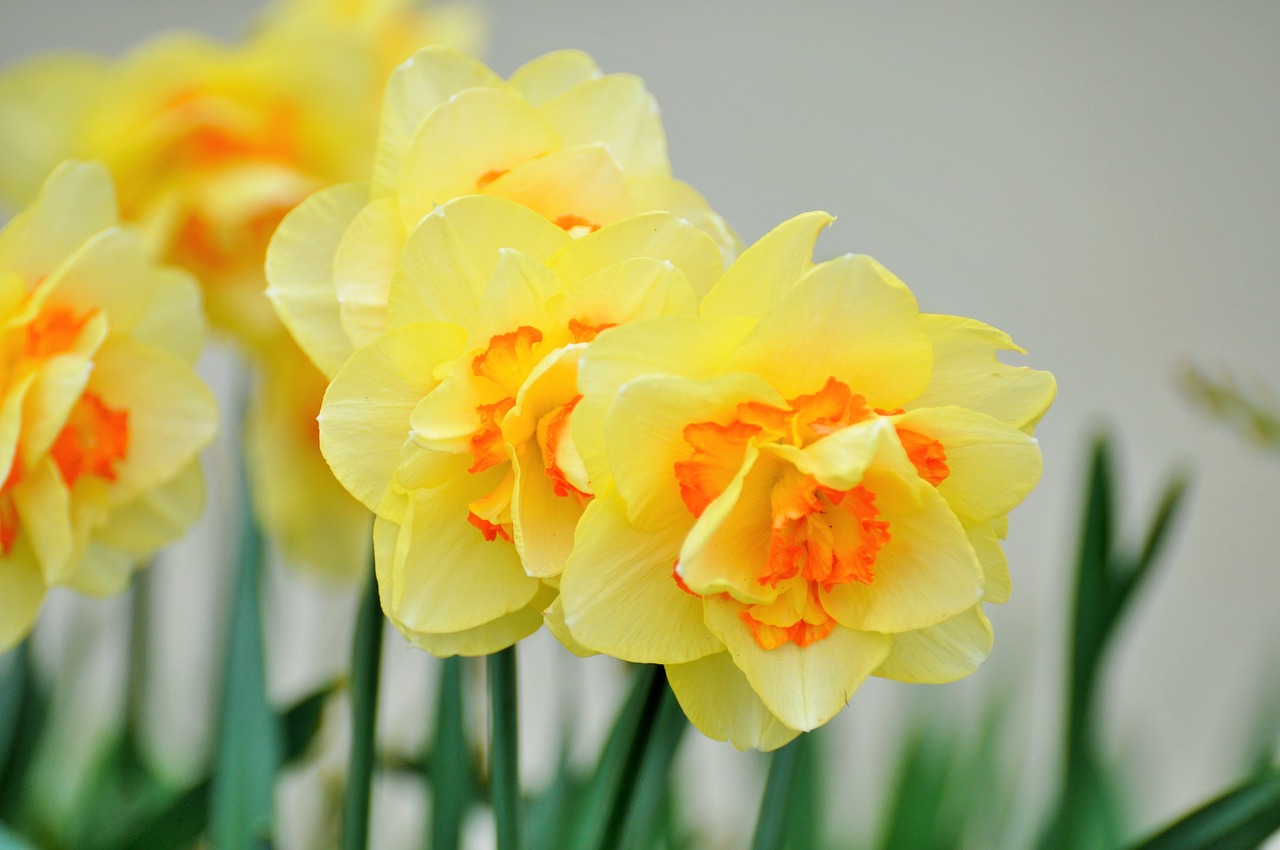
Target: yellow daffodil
<point>490,308</point>
<point>582,149</point>
<point>801,487</point>
<point>102,413</point>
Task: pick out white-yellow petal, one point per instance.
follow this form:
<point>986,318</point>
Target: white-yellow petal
<point>551,74</point>
<point>617,110</point>
<point>939,654</point>
<point>767,271</point>
<point>719,701</point>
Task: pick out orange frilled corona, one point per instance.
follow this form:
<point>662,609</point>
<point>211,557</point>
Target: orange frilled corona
<point>102,414</point>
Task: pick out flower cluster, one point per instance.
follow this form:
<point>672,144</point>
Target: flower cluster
<point>776,479</point>
<point>210,145</point>
<point>101,412</point>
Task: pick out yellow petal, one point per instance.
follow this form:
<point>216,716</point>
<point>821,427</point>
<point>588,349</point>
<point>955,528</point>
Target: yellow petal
<point>423,82</point>
<point>365,417</point>
<point>993,466</point>
<point>803,686</point>
<point>684,346</point>
<point>654,192</point>
<point>491,637</point>
<point>617,110</point>
<point>553,73</point>
<point>43,103</point>
<point>939,654</point>
<point>22,590</point>
<point>634,289</point>
<point>102,571</point>
<point>927,573</point>
<point>446,577</point>
<point>157,517</point>
<point>363,265</point>
<point>719,701</point>
<point>44,513</point>
<point>517,295</point>
<point>657,236</point>
<point>450,258</point>
<point>446,418</point>
<point>57,387</point>
<point>644,436</point>
<point>767,271</point>
<point>542,522</point>
<point>553,616</point>
<point>996,585</point>
<point>76,202</point>
<point>299,268</point>
<point>11,421</point>
<point>619,596</point>
<point>477,133</point>
<point>850,319</point>
<point>967,372</point>
<point>172,320</point>
<point>112,272</point>
<point>582,185</point>
<point>172,414</point>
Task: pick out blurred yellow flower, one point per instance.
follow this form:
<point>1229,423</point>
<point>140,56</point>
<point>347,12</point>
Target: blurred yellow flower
<point>102,413</point>
<point>800,488</point>
<point>489,311</point>
<point>580,148</point>
<point>210,145</point>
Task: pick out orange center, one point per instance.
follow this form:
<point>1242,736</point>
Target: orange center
<point>94,440</point>
<point>54,331</point>
<point>820,537</point>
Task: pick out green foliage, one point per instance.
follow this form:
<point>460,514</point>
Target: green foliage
<point>1239,820</point>
<point>450,767</point>
<point>1255,413</point>
<point>366,661</point>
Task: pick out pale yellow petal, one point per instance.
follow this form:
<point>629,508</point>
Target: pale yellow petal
<point>22,589</point>
<point>617,110</point>
<point>363,265</point>
<point>619,596</point>
<point>58,385</point>
<point>719,701</point>
<point>993,466</point>
<point>803,686</point>
<point>492,636</point>
<point>102,571</point>
<point>112,272</point>
<point>996,584</point>
<point>423,82</point>
<point>554,619</point>
<point>684,346</point>
<point>939,654</point>
<point>656,235</point>
<point>365,417</point>
<point>653,192</point>
<point>299,268</point>
<point>475,134</point>
<point>634,289</point>
<point>77,202</point>
<point>516,296</point>
<point>543,523</point>
<point>850,319</point>
<point>448,577</point>
<point>157,517</point>
<point>446,418</point>
<point>172,320</point>
<point>927,573</point>
<point>579,186</point>
<point>451,256</point>
<point>644,437</point>
<point>767,271</point>
<point>44,513</point>
<point>553,73</point>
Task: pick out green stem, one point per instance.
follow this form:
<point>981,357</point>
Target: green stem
<point>452,782</point>
<point>771,827</point>
<point>365,660</point>
<point>651,792</point>
<point>504,745</point>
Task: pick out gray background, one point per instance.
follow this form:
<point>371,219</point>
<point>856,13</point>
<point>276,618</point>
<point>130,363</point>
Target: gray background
<point>1099,179</point>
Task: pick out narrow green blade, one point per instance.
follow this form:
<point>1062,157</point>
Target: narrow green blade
<point>504,748</point>
<point>1238,820</point>
<point>366,661</point>
<point>649,795</point>
<point>453,779</point>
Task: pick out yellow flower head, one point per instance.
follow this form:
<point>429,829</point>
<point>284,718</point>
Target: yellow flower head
<point>490,309</point>
<point>800,488</point>
<point>101,412</point>
<point>579,148</point>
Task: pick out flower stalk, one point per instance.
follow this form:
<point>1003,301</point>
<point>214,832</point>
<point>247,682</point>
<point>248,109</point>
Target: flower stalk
<point>365,660</point>
<point>504,747</point>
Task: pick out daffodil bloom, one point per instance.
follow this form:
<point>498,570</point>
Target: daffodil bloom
<point>580,148</point>
<point>489,311</point>
<point>802,487</point>
<point>102,414</point>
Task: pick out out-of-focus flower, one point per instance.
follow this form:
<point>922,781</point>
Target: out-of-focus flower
<point>210,145</point>
<point>102,413</point>
<point>802,487</point>
<point>489,311</point>
<point>582,149</point>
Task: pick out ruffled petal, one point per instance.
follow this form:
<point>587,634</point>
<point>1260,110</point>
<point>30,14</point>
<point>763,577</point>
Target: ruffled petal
<point>77,202</point>
<point>575,187</point>
<point>617,110</point>
<point>939,654</point>
<point>767,271</point>
<point>364,264</point>
<point>719,701</point>
<point>22,590</point>
<point>619,596</point>
<point>491,637</point>
<point>803,687</point>
<point>552,74</point>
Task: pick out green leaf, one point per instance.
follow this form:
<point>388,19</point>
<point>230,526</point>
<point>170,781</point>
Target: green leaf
<point>806,823</point>
<point>1238,820</point>
<point>9,841</point>
<point>366,662</point>
<point>25,725</point>
<point>917,819</point>
<point>450,769</point>
<point>249,745</point>
<point>14,687</point>
<point>605,808</point>
<point>775,805</point>
<point>649,792</point>
<point>504,747</point>
<point>300,723</point>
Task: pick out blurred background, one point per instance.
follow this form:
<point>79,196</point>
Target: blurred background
<point>1100,180</point>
